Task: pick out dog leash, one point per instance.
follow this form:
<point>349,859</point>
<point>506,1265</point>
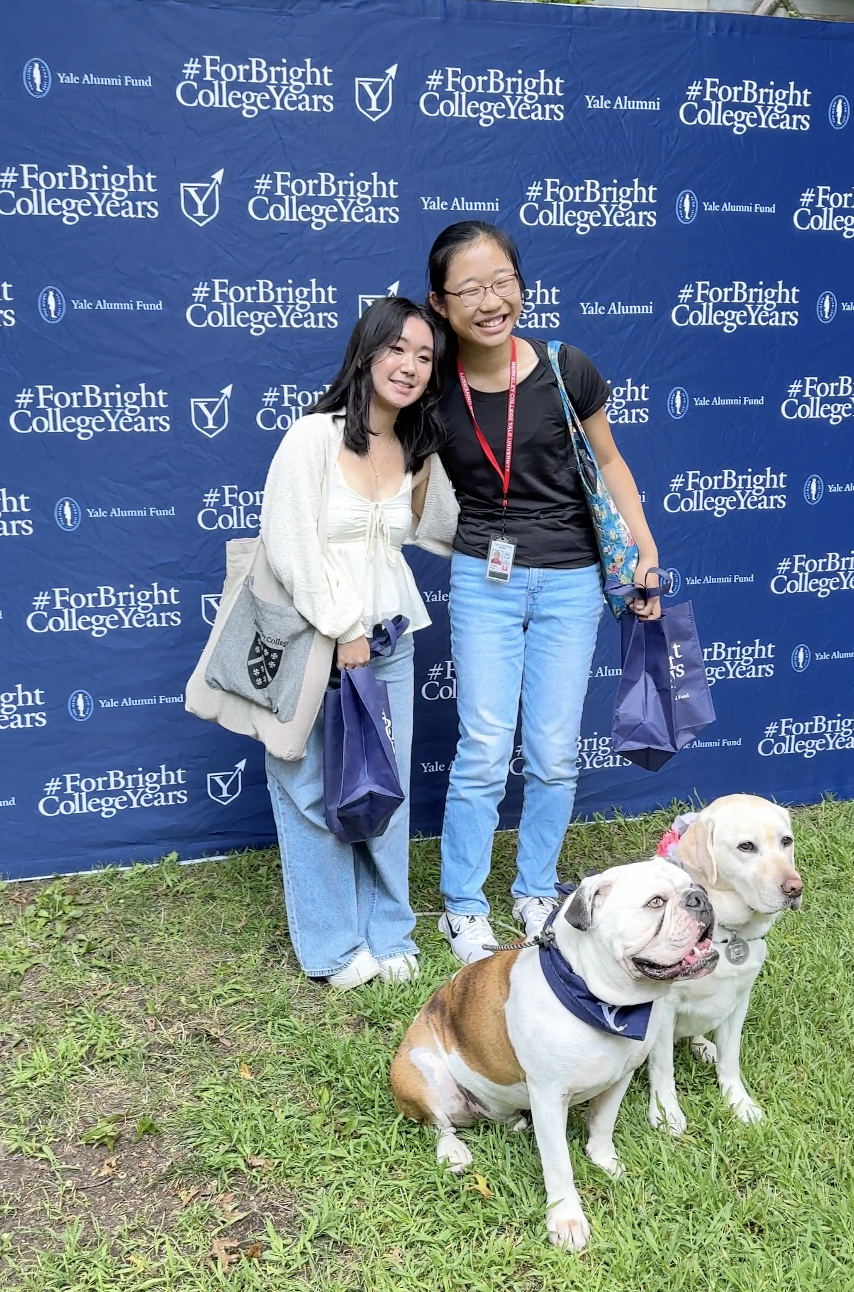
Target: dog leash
<point>545,938</point>
<point>546,935</point>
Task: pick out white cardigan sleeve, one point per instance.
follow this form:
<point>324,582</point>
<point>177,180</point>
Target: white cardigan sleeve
<point>289,527</point>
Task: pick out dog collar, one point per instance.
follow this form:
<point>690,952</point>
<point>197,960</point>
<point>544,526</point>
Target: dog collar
<point>630,1021</point>
<point>736,947</point>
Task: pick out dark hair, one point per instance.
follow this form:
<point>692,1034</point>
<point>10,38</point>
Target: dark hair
<point>419,426</point>
<point>449,242</point>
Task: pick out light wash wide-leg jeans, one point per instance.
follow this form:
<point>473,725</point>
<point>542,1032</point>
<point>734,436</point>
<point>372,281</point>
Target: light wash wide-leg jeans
<point>343,897</point>
<point>530,639</point>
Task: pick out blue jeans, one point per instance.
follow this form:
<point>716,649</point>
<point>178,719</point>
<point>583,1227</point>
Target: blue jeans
<point>532,638</point>
<point>343,897</point>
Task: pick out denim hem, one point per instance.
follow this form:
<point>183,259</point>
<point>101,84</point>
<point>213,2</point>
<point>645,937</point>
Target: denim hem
<point>327,973</point>
<point>551,894</point>
<point>479,910</point>
<point>395,955</point>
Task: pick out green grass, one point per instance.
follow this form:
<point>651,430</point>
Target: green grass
<point>180,1110</point>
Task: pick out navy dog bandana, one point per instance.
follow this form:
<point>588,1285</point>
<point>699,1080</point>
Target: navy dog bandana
<point>573,993</point>
<point>630,1021</point>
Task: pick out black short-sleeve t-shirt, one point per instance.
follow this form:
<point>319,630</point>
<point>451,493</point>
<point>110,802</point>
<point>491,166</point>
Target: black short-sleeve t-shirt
<point>546,511</point>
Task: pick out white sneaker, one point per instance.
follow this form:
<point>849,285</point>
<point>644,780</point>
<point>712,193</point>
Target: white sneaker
<point>399,968</point>
<point>533,913</point>
<point>467,935</point>
<point>362,968</point>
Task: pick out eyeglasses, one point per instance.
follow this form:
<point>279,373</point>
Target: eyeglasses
<point>471,297</point>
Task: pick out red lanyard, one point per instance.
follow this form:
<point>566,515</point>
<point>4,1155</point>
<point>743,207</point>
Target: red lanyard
<point>504,475</point>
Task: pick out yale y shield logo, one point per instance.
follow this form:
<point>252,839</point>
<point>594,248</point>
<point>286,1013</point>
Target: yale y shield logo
<point>224,787</point>
<point>37,78</point>
<point>200,201</point>
<point>210,605</point>
<point>374,94</point>
<point>210,416</point>
<point>367,299</point>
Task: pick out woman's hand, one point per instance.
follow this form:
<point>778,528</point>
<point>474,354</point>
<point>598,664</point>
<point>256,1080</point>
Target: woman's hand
<point>354,654</point>
<point>646,609</point>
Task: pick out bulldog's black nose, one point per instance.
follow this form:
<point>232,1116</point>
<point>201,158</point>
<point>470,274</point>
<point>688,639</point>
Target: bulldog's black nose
<point>696,901</point>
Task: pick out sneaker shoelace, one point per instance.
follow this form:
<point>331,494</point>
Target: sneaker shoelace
<point>540,907</point>
<point>476,926</point>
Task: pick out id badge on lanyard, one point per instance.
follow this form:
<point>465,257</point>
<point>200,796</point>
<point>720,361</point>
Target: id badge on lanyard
<point>502,548</point>
<point>499,562</point>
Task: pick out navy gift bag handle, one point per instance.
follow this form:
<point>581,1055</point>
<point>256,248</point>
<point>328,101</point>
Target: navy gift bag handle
<point>361,786</point>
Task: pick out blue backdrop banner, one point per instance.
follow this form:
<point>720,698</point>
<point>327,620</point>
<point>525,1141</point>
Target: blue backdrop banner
<point>197,202</point>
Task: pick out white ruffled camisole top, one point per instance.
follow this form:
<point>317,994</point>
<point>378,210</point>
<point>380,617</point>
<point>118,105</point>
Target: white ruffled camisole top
<point>364,541</point>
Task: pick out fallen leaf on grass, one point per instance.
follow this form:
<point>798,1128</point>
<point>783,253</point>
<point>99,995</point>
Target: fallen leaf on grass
<point>108,1167</point>
<point>225,1204</point>
<point>138,1263</point>
<point>395,1255</point>
<point>253,1251</point>
<point>224,1251</point>
<point>151,1024</point>
<point>245,1072</point>
<point>259,1162</point>
<point>479,1183</point>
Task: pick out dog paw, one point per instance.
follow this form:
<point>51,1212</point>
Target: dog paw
<point>747,1111</point>
<point>704,1050</point>
<point>520,1124</point>
<point>568,1228</point>
<point>452,1153</point>
<point>608,1162</point>
<point>667,1113</point>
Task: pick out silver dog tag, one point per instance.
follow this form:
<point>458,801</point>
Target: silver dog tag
<point>737,951</point>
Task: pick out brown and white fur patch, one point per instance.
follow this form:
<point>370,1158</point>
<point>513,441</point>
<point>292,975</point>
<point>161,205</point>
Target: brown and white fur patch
<point>495,1040</point>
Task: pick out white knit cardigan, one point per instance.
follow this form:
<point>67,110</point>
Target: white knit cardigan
<point>293,524</point>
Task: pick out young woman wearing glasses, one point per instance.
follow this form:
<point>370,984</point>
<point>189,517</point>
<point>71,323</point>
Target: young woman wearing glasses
<point>526,590</point>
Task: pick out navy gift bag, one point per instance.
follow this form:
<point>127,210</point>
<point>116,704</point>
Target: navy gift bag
<point>361,787</point>
<point>663,700</point>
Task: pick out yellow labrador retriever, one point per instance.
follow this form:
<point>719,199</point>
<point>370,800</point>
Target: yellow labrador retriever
<point>740,849</point>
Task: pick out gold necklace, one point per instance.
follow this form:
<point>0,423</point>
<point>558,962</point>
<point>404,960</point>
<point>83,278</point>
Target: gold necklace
<point>382,464</point>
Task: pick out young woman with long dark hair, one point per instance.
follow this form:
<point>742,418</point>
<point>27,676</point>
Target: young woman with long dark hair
<point>338,505</point>
<point>530,633</point>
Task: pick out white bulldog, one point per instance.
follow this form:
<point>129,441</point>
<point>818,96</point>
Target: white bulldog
<point>740,849</point>
<point>497,1038</point>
